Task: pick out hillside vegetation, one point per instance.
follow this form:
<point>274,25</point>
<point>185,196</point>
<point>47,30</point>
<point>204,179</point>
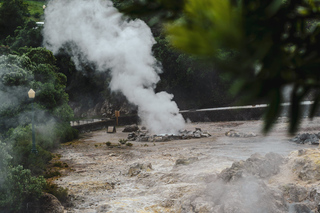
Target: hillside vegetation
<point>36,10</point>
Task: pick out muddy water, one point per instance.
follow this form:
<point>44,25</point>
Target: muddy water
<point>99,178</point>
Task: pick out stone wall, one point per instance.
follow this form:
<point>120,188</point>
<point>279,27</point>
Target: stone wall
<point>93,126</point>
<point>223,115</point>
<point>241,113</point>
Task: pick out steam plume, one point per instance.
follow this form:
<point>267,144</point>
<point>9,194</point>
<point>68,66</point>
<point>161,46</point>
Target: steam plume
<point>103,36</point>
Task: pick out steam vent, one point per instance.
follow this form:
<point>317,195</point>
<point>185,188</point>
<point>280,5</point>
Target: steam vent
<point>144,136</point>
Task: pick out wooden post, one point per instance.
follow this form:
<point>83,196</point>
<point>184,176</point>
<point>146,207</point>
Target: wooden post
<point>117,114</point>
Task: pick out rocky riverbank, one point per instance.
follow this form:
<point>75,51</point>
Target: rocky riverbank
<point>212,174</point>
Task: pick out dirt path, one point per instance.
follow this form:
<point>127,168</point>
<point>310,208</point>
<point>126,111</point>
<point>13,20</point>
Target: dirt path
<point>101,182</point>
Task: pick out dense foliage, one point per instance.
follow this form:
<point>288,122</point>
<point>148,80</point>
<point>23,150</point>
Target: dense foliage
<point>36,70</point>
<point>33,68</point>
<point>12,15</point>
<point>17,185</point>
<point>28,35</point>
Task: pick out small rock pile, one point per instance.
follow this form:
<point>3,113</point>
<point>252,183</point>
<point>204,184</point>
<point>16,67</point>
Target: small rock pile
<point>241,188</point>
<point>306,165</point>
<point>235,134</point>
<point>249,186</point>
<point>131,128</point>
<point>307,138</point>
<point>256,165</point>
<point>144,136</point>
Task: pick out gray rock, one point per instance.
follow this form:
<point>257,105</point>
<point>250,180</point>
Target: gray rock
<point>136,168</point>
<point>315,194</point>
<point>158,139</point>
<point>205,135</point>
<point>143,138</point>
<point>256,165</point>
<point>183,134</point>
<point>50,204</point>
<point>132,136</point>
<point>233,173</point>
<point>245,195</point>
<point>186,161</point>
<point>201,205</point>
<point>299,208</point>
<point>306,169</point>
<point>295,193</point>
<point>264,166</point>
<point>197,135</point>
<point>103,208</point>
<point>131,128</point>
<point>304,136</point>
<point>307,138</point>
<point>233,133</point>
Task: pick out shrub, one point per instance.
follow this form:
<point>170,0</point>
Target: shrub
<point>59,192</point>
<point>19,188</point>
<point>36,15</point>
<point>51,174</point>
<point>123,141</point>
<point>21,142</point>
<point>108,143</point>
<point>58,164</point>
<point>46,139</point>
<point>66,132</point>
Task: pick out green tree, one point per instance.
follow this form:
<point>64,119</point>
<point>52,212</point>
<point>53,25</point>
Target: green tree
<point>27,35</point>
<point>17,185</point>
<point>11,16</point>
<point>35,69</point>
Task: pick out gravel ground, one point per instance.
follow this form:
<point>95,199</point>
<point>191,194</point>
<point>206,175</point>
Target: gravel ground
<point>98,176</point>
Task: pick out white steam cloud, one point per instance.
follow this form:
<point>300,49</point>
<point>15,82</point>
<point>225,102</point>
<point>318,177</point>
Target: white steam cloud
<point>105,37</point>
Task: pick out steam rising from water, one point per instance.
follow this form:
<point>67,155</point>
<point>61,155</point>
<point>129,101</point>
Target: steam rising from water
<point>103,36</point>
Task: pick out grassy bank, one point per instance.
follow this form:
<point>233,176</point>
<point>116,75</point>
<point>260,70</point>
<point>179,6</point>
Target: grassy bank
<point>36,10</point>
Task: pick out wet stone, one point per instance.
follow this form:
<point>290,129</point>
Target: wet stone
<point>307,138</point>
